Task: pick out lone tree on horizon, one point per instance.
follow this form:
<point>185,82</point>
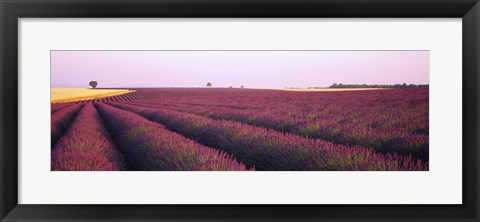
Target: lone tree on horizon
<point>209,84</point>
<point>93,84</point>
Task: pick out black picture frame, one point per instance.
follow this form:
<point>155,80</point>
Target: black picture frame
<point>12,10</point>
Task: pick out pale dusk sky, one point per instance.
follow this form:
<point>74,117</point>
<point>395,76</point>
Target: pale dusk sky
<point>253,69</point>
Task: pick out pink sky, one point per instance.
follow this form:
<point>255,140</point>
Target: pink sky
<point>255,69</point>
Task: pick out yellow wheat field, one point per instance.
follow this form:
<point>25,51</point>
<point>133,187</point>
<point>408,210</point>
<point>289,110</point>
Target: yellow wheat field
<point>62,95</point>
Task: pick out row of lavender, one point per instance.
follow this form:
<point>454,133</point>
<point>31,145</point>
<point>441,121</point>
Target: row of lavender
<point>403,109</point>
<point>271,150</point>
<point>150,146</point>
<point>399,125</point>
<point>385,141</point>
<point>88,144</point>
<point>214,118</point>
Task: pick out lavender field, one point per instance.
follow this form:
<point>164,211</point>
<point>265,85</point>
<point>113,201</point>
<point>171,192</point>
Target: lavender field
<point>240,129</point>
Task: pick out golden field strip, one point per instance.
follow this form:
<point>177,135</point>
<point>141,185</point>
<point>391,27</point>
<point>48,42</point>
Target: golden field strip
<point>62,95</point>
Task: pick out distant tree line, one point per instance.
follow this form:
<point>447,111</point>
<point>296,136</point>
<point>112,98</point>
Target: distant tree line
<point>404,85</point>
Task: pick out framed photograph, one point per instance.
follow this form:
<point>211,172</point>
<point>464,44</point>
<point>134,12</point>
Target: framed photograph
<point>230,110</point>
